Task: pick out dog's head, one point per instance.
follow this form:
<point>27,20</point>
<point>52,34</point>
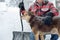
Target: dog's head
<point>34,20</point>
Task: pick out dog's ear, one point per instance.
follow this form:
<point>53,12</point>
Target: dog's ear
<point>30,13</point>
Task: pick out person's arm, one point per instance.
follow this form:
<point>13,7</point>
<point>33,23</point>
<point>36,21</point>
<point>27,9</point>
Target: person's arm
<point>49,15</point>
<point>53,10</point>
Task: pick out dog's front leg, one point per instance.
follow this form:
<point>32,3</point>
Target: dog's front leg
<point>37,36</point>
<point>35,31</point>
<point>41,34</point>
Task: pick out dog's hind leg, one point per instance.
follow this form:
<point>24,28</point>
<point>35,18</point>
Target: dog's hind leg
<point>54,31</point>
<point>59,31</point>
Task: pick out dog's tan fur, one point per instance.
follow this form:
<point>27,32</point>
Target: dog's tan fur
<point>55,28</point>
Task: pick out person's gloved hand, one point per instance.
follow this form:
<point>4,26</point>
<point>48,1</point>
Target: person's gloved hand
<point>48,20</point>
<point>21,6</point>
<point>49,14</point>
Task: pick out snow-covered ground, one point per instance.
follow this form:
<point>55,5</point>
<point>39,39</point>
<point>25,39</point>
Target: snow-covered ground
<point>10,21</point>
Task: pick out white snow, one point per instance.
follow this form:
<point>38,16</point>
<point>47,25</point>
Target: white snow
<point>10,21</point>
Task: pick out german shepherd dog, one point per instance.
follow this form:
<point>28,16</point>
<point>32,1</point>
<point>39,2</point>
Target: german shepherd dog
<point>39,29</point>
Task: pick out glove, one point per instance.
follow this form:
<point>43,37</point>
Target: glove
<point>47,20</point>
<point>49,14</point>
<point>21,6</point>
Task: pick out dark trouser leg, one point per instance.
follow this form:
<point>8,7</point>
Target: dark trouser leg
<point>54,37</point>
<point>32,36</point>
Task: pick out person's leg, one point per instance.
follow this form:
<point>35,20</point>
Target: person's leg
<point>32,37</point>
<point>51,37</point>
<point>54,37</point>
